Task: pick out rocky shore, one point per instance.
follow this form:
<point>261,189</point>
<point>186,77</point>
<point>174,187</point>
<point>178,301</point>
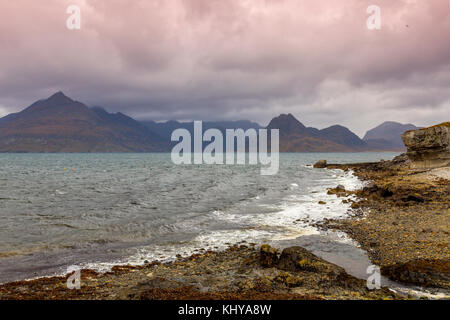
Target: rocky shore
<point>240,272</point>
<point>402,217</point>
<point>402,220</point>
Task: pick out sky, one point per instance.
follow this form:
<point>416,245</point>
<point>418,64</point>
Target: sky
<point>234,59</point>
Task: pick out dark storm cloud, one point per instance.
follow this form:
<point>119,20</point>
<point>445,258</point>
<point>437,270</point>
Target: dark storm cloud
<point>211,59</point>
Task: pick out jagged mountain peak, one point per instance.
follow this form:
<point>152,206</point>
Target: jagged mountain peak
<point>287,124</point>
<point>60,124</point>
<point>58,98</point>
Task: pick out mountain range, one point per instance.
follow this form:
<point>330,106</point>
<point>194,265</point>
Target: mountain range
<point>388,135</point>
<point>61,124</point>
<point>296,137</point>
<point>165,129</point>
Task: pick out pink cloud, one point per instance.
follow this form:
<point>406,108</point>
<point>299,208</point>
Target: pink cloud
<point>235,58</point>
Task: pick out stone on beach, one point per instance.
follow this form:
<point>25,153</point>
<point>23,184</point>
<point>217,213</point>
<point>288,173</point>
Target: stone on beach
<point>269,256</point>
<point>320,164</point>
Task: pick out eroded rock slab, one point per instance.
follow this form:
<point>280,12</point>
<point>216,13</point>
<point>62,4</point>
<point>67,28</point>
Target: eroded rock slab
<point>428,147</point>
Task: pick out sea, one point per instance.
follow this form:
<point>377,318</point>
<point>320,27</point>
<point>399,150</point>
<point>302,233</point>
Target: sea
<point>60,211</point>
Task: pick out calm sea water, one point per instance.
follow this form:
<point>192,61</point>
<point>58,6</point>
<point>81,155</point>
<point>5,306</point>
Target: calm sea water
<point>97,210</point>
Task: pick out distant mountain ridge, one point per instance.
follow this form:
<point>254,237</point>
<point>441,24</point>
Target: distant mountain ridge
<point>289,125</point>
<point>60,124</point>
<point>165,129</point>
<point>296,137</point>
<point>388,136</point>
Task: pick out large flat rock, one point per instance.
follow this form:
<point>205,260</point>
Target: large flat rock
<point>428,147</point>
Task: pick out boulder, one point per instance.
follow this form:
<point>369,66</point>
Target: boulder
<point>401,160</point>
<point>320,164</point>
<point>268,256</point>
<point>414,198</point>
<point>428,147</point>
<point>387,190</point>
<point>300,259</point>
<point>370,188</point>
<point>422,272</point>
<point>339,191</point>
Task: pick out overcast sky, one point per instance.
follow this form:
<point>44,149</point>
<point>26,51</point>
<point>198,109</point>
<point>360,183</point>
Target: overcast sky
<point>233,59</point>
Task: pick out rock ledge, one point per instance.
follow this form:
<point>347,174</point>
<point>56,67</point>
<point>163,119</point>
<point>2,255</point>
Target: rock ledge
<point>429,147</point>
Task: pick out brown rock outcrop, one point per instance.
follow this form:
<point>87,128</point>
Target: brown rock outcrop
<point>320,164</point>
<point>269,256</point>
<point>428,147</point>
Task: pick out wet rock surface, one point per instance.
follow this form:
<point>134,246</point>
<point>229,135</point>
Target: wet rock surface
<point>241,272</point>
<point>269,256</point>
<point>300,259</point>
<point>421,272</point>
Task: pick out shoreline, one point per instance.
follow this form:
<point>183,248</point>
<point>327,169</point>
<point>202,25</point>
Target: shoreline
<point>284,227</point>
<point>401,220</point>
<point>238,273</point>
<point>183,278</point>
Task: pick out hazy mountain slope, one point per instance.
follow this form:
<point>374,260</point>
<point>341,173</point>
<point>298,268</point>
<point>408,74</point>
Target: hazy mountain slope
<point>343,136</point>
<point>387,135</point>
<point>165,129</point>
<point>296,137</point>
<point>60,124</point>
